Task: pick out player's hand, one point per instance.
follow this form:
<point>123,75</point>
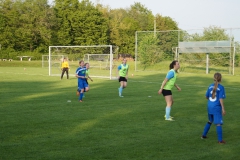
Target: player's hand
<point>160,91</point>
<point>178,88</point>
<point>223,112</point>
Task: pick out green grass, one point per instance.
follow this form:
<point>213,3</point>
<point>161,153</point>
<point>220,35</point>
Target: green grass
<point>37,122</point>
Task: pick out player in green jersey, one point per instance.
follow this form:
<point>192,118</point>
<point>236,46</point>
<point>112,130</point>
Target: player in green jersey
<point>167,86</point>
<point>122,76</point>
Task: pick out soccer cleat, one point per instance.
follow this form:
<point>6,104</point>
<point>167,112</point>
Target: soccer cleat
<point>80,101</point>
<point>169,116</point>
<point>169,119</point>
<point>221,142</point>
<point>121,96</point>
<point>203,137</point>
<point>78,93</point>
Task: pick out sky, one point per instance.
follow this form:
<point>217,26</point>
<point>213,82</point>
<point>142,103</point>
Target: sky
<point>189,14</point>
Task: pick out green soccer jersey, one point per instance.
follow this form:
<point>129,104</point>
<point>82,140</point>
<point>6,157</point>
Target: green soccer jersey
<point>87,73</point>
<point>123,70</point>
<point>170,83</point>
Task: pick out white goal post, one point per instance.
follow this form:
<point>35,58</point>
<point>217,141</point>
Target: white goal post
<point>90,54</point>
<point>206,50</point>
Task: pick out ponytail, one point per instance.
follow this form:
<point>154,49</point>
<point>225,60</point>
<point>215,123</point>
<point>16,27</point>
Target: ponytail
<point>217,79</point>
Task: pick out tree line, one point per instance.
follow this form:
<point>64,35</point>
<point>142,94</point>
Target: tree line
<point>30,26</point>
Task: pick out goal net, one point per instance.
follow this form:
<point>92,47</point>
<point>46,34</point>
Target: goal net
<point>155,50</point>
<point>100,58</point>
<point>56,61</point>
<point>209,56</point>
<point>100,61</point>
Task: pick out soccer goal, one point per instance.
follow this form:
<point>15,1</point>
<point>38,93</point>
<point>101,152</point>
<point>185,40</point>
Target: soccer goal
<point>101,61</point>
<point>56,61</point>
<point>219,56</point>
<point>100,58</point>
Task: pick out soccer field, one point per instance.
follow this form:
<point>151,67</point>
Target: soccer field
<point>41,118</point>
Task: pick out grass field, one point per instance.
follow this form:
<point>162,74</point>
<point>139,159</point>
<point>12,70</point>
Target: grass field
<point>38,122</point>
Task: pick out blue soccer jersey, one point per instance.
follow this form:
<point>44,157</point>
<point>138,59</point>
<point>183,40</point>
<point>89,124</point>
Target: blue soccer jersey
<point>214,105</point>
<point>81,71</point>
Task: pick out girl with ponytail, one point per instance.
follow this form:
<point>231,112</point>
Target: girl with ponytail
<point>215,95</point>
<point>168,83</point>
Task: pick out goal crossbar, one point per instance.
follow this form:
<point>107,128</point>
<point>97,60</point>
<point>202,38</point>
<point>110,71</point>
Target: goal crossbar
<point>205,47</point>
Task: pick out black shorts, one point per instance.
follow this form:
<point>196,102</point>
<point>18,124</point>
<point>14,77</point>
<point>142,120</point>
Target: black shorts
<point>122,79</point>
<point>166,92</point>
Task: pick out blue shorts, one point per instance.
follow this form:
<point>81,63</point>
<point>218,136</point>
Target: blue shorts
<point>215,118</point>
<point>82,84</point>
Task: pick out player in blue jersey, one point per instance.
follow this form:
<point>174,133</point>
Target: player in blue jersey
<point>80,74</point>
<point>215,95</point>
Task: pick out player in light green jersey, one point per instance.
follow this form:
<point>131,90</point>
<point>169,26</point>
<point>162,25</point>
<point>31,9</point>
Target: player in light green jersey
<point>167,86</point>
<point>122,76</point>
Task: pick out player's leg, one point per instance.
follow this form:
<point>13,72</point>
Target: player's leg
<point>81,86</point>
<point>63,70</point>
<point>207,126</point>
<point>87,84</point>
<point>86,87</point>
<point>67,73</point>
<point>169,102</point>
<point>124,83</point>
<point>79,89</point>
<point>120,80</point>
<point>219,121</point>
<point>120,89</point>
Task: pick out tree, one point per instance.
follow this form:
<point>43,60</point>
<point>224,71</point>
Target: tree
<point>80,23</point>
<point>125,22</point>
<point>122,30</point>
<point>35,22</point>
<point>26,25</point>
<point>168,35</point>
<point>149,52</point>
<point>211,33</point>
<point>8,18</point>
